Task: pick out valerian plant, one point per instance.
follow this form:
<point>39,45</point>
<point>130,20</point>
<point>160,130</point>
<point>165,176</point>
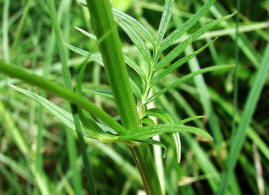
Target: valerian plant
<point>131,93</point>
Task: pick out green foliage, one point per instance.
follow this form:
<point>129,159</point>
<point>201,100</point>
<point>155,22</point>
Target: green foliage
<point>127,93</point>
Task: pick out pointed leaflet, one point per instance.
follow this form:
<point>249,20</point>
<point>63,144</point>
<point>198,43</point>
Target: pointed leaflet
<point>101,92</point>
<point>32,79</point>
<point>186,26</point>
<point>136,39</point>
<point>91,36</point>
<point>180,62</point>
<point>166,16</point>
<point>94,57</point>
<point>182,46</point>
<point>167,119</point>
<point>60,113</point>
<point>142,133</point>
<point>160,114</point>
<point>139,28</point>
<point>130,20</point>
<point>98,59</point>
<point>190,119</point>
<point>185,78</point>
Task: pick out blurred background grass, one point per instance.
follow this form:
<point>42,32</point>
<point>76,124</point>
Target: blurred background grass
<point>27,40</point>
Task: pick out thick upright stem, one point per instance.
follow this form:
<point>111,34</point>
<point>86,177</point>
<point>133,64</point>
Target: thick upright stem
<point>116,71</point>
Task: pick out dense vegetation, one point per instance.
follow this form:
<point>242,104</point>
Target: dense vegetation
<point>84,89</point>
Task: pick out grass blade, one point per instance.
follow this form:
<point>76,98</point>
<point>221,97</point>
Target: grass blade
<point>8,124</point>
<point>83,147</point>
<point>21,23</point>
<point>15,166</point>
<point>71,142</point>
<point>240,133</point>
<point>252,134</point>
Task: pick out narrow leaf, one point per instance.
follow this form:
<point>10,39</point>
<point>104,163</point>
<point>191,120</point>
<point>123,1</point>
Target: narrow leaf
<point>185,78</point>
<point>190,119</point>
<point>160,114</point>
<point>91,36</point>
<point>139,43</point>
<point>139,28</point>
<point>240,133</point>
<point>182,46</point>
<point>186,26</point>
<point>105,93</point>
<point>130,20</point>
<point>61,114</point>
<point>166,16</point>
<point>143,133</point>
<point>136,90</point>
<point>94,57</point>
<point>19,73</point>
<point>98,59</point>
<point>179,63</point>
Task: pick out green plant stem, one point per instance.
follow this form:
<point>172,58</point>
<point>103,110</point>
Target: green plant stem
<point>110,48</point>
<point>68,95</point>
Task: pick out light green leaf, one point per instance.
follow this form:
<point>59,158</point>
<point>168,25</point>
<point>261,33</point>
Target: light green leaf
<point>60,113</point>
<point>136,90</point>
<point>167,119</point>
<point>160,114</point>
<point>139,28</point>
<point>177,64</point>
<point>148,122</point>
<point>98,59</point>
<point>186,26</point>
<point>105,93</point>
<point>91,36</point>
<point>249,108</point>
<point>136,39</point>
<point>182,46</point>
<point>94,57</point>
<point>166,16</point>
<point>185,78</point>
<point>190,119</point>
<point>143,133</point>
